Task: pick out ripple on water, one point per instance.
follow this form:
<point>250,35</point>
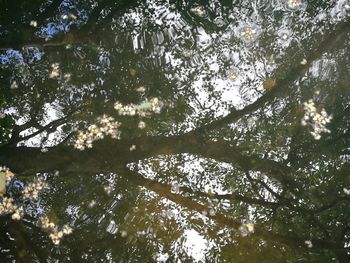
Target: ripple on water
<point>112,227</point>
<point>248,33</point>
<point>219,21</point>
<point>284,37</point>
<point>294,5</point>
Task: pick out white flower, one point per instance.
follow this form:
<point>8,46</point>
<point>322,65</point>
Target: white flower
<point>154,101</point>
<point>141,89</point>
<point>303,62</point>
<point>92,203</point>
<point>142,125</point>
<point>308,243</point>
<point>16,216</point>
<point>156,109</point>
<point>246,229</point>
<point>33,23</point>
<point>67,230</point>
<point>315,119</point>
<point>250,227</point>
<point>198,10</point>
<point>133,147</point>
<point>54,70</point>
<point>14,85</point>
<point>175,188</point>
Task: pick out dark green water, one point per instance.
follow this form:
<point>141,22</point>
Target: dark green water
<point>175,131</point>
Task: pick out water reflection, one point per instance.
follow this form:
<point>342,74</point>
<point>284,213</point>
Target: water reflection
<point>191,143</point>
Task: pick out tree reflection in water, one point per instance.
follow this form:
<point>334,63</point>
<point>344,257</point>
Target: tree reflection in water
<point>224,167</point>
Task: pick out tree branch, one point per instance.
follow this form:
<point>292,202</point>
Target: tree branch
<point>283,86</point>
<point>164,191</point>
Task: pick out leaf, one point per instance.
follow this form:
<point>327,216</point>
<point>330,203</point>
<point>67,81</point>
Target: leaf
<point>269,84</point>
<point>132,72</point>
<point>144,106</point>
<point>2,183</point>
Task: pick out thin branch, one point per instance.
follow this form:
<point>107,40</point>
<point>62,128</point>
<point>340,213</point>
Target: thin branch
<point>164,191</point>
<point>283,86</point>
<point>49,11</point>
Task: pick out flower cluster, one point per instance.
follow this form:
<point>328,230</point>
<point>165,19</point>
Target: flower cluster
<point>31,190</point>
<point>108,189</point>
<point>199,10</point>
<point>46,224</point>
<point>18,213</point>
<point>246,229</point>
<point>55,70</point>
<point>315,119</point>
<point>142,109</point>
<point>55,234</point>
<point>156,105</point>
<point>106,125</point>
<point>7,206</point>
<point>125,110</point>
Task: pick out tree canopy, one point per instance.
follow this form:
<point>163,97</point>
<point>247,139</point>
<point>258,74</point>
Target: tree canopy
<point>174,131</point>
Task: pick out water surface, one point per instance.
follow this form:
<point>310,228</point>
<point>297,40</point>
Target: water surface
<point>175,131</point>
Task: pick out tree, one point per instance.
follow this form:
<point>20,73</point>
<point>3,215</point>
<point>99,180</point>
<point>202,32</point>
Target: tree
<point>206,100</point>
